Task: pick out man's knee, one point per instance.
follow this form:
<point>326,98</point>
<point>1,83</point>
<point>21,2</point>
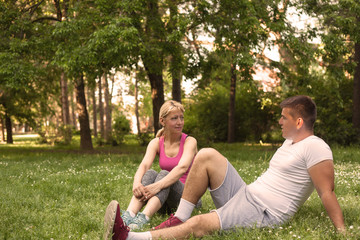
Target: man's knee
<point>206,154</point>
<point>200,225</point>
<point>195,225</point>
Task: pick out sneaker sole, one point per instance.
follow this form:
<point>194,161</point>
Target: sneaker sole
<point>109,219</point>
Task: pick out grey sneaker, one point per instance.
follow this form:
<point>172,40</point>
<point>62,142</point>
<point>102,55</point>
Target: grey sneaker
<point>138,222</point>
<point>127,218</point>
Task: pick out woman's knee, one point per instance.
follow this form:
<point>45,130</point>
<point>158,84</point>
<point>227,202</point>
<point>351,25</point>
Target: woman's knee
<point>149,177</point>
<point>161,175</point>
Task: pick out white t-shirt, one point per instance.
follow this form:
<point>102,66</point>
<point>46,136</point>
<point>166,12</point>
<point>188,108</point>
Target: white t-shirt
<point>286,184</point>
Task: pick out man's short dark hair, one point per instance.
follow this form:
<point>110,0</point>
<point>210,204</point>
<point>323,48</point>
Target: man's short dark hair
<point>301,106</point>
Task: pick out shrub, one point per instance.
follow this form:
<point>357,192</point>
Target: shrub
<point>206,115</point>
<point>121,127</point>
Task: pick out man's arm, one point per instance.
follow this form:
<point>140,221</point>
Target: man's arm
<point>322,175</point>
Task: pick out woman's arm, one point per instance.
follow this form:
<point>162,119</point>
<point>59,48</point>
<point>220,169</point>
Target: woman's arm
<point>190,149</point>
<point>151,150</point>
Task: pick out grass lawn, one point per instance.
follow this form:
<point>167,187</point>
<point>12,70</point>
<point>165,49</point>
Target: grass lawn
<point>51,192</point>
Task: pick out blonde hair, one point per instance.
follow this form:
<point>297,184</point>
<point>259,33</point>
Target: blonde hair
<point>165,109</point>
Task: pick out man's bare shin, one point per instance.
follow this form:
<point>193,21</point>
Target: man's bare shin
<point>197,226</point>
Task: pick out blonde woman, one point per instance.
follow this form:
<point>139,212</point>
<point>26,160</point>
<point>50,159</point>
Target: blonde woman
<point>176,152</point>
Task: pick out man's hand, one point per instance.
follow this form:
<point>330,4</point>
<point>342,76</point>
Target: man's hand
<point>322,176</point>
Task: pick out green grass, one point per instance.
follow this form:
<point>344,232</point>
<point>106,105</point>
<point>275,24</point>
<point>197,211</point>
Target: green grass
<point>58,192</point>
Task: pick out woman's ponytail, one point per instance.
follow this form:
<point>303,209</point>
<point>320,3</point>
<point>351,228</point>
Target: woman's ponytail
<point>160,133</point>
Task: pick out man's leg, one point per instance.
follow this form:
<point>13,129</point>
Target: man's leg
<point>208,170</point>
<point>198,226</point>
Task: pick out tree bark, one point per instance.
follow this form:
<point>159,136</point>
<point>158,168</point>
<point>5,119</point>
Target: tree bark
<point>176,80</point>
<point>136,93</point>
<point>73,110</point>
<point>65,112</point>
<point>85,133</point>
<point>356,91</point>
<point>107,111</point>
<point>9,135</point>
<point>94,112</point>
<point>2,129</point>
<point>175,64</point>
<point>231,120</point>
<point>101,108</point>
<point>153,59</point>
<point>157,96</point>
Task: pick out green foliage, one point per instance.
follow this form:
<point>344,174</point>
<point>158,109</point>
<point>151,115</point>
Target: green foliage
<point>206,115</point>
<point>144,138</point>
<point>334,109</point>
<point>121,127</point>
<point>101,35</point>
<point>66,132</point>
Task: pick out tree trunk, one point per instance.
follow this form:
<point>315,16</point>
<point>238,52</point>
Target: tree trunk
<point>94,111</point>
<point>176,53</point>
<point>9,135</point>
<point>231,120</point>
<point>107,111</point>
<point>176,81</point>
<point>157,96</point>
<point>2,129</point>
<point>73,110</point>
<point>153,59</point>
<point>85,133</point>
<point>101,109</point>
<point>136,93</point>
<point>356,91</point>
<point>65,112</point>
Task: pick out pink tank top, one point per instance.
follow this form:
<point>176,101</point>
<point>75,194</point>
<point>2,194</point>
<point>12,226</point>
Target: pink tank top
<point>168,163</point>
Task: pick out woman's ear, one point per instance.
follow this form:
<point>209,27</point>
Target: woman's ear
<point>162,122</point>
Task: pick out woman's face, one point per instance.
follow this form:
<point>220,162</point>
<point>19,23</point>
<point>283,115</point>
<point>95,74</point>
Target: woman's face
<point>174,121</point>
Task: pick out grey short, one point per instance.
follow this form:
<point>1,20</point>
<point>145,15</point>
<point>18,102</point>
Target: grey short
<point>236,207</point>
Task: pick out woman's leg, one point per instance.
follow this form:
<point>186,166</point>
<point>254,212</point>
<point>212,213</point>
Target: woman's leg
<point>155,203</point>
<point>148,178</point>
<point>173,200</point>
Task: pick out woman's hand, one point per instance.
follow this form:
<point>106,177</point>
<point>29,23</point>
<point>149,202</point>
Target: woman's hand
<point>139,190</point>
<point>150,191</point>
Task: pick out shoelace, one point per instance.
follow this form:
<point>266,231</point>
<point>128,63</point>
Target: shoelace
<point>170,219</point>
<point>137,220</point>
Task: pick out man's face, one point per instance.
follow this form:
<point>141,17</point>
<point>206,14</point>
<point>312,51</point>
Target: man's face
<point>288,124</point>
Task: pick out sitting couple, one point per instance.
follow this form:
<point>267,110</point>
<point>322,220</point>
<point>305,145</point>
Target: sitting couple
<point>302,163</point>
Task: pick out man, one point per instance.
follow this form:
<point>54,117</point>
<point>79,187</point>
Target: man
<point>302,163</point>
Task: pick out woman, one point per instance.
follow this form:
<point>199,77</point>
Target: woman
<point>176,152</point>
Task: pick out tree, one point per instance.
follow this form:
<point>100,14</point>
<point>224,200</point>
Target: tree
<point>61,13</point>
<point>101,107</point>
<point>339,30</point>
<point>108,108</point>
<point>85,134</point>
<point>160,28</point>
<point>239,28</point>
<point>26,77</point>
<point>74,56</point>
